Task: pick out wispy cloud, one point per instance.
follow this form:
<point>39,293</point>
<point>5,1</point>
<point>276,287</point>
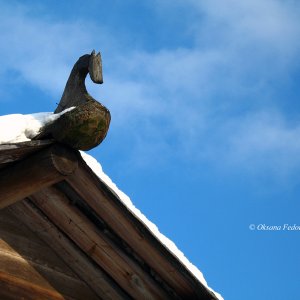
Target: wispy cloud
<point>220,95</point>
<point>213,100</point>
<point>41,50</point>
<point>266,140</point>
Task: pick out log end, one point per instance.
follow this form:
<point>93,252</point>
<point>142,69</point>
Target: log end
<point>64,160</point>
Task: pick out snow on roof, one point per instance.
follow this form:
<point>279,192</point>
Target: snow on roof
<point>16,128</point>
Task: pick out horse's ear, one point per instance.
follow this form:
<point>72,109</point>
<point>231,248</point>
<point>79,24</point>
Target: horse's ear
<point>95,67</point>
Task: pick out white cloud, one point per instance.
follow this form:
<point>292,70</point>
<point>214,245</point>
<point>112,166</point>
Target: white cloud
<point>182,101</point>
<point>268,140</point>
<point>42,50</point>
<point>242,47</point>
<point>267,28</point>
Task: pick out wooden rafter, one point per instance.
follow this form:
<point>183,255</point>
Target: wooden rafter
<point>89,227</point>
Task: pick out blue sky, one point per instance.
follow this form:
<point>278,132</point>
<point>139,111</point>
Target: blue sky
<point>205,132</point>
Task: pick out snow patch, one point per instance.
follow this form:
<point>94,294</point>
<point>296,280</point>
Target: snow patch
<point>17,128</point>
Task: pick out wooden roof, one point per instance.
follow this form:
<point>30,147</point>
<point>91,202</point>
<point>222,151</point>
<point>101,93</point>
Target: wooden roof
<point>74,237</point>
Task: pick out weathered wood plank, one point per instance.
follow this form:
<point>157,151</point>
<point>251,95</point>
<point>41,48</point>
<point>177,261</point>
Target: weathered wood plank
<point>89,272</point>
<point>139,284</point>
<point>24,256</point>
<point>36,172</point>
<point>106,204</point>
<point>10,153</point>
<point>13,288</point>
<point>44,276</point>
<point>36,253</point>
<point>111,209</point>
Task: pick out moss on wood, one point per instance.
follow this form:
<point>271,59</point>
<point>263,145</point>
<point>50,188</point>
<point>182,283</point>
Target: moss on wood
<point>82,128</point>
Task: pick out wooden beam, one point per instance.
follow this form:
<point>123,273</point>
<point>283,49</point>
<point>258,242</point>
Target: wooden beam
<point>35,172</point>
<point>24,256</point>
<point>110,208</point>
<point>103,286</point>
<point>10,153</point>
<point>12,288</point>
<point>114,260</point>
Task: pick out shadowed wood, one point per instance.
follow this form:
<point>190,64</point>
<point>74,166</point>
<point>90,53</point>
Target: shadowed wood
<point>110,208</point>
<point>89,272</point>
<point>27,176</point>
<point>12,288</point>
<point>10,153</point>
<point>89,227</point>
<point>99,247</point>
<point>28,265</point>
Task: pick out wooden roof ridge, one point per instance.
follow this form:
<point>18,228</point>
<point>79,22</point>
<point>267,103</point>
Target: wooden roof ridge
<point>51,189</point>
